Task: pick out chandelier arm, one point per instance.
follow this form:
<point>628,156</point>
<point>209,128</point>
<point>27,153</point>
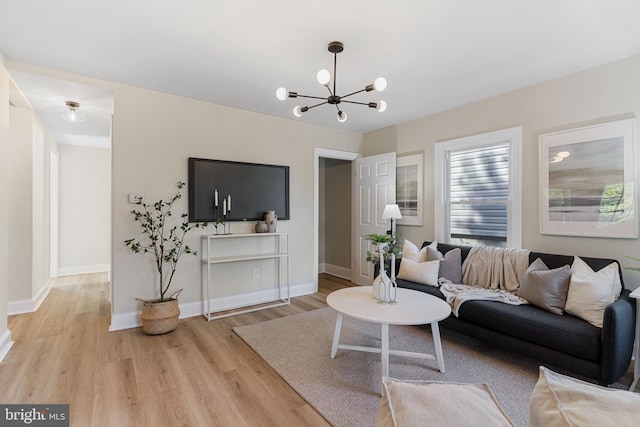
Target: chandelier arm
<point>314,106</point>
<point>355,102</point>
<point>312,97</point>
<point>352,93</point>
<point>329,89</point>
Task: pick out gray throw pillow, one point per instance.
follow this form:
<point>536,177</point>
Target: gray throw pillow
<point>450,263</point>
<point>546,288</point>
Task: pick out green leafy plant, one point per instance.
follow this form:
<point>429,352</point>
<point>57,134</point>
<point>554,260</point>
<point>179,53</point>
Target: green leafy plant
<point>633,268</point>
<point>161,239</point>
<point>390,247</point>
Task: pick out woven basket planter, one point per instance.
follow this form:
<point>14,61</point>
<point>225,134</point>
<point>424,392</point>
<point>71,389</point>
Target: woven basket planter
<point>160,317</point>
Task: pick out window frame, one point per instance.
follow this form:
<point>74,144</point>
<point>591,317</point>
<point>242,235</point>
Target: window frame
<point>511,136</point>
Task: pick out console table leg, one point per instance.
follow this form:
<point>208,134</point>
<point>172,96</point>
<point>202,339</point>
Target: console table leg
<point>336,335</point>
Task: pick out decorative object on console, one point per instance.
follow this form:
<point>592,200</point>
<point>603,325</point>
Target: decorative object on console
<point>166,243</point>
<point>271,219</point>
<point>391,212</point>
<point>324,78</point>
<point>226,210</point>
<point>261,227</point>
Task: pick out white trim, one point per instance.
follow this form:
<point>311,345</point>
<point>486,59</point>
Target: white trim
<point>192,309</point>
<point>5,344</point>
<point>335,270</point>
<point>29,305</point>
<point>327,154</point>
<point>514,137</point>
<point>83,269</point>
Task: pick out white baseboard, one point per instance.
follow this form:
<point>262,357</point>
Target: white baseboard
<point>5,344</point>
<point>83,269</point>
<point>334,270</point>
<point>29,305</point>
<point>191,309</point>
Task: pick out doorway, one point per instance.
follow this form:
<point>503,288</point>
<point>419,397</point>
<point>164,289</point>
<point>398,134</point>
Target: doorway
<point>338,162</point>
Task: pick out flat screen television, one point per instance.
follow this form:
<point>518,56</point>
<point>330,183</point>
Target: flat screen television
<point>254,189</point>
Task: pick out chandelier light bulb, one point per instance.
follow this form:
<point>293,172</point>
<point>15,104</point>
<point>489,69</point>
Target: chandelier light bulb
<point>342,116</point>
<point>380,84</point>
<point>281,93</point>
<point>382,106</point>
<point>297,111</point>
<point>323,77</point>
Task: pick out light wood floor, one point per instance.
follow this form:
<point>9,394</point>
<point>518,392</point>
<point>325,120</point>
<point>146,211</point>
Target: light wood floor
<point>202,374</point>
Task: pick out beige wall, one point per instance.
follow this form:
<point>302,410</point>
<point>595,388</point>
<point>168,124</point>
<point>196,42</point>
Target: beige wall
<point>21,207</point>
<point>85,209</point>
<point>604,93</point>
<point>155,133</point>
<point>5,335</point>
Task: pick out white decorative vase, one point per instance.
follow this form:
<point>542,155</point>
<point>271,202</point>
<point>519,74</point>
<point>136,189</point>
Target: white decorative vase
<point>271,219</point>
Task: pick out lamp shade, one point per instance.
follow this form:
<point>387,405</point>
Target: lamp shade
<point>391,212</point>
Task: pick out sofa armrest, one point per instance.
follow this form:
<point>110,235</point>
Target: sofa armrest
<point>618,330</point>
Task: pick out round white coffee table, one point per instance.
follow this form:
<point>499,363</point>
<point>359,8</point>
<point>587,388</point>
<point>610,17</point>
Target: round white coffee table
<point>412,308</point>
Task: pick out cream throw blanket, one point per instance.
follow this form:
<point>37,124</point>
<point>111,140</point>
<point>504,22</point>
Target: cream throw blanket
<point>488,273</point>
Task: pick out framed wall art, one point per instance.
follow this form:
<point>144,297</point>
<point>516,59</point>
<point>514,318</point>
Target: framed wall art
<point>588,181</point>
<point>409,188</point>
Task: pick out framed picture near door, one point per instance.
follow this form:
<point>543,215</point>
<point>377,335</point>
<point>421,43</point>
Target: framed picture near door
<point>409,190</point>
<point>588,181</point>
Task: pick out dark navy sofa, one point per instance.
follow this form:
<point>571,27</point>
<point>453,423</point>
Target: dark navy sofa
<point>567,342</point>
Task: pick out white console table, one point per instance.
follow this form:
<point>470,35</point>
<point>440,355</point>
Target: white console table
<point>210,257</point>
<point>636,343</point>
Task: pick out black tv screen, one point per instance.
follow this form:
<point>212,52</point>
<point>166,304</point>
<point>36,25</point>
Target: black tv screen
<point>254,189</point>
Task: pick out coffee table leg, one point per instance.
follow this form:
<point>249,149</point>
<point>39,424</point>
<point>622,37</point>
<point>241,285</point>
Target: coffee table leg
<point>336,335</point>
<point>435,331</point>
<point>384,349</point>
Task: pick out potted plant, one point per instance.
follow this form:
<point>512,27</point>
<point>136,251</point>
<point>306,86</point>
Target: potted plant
<point>166,243</point>
<point>385,243</point>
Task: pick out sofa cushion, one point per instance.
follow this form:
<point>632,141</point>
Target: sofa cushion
<point>545,288</point>
<point>438,404</point>
<point>411,251</point>
<point>559,400</point>
<point>425,273</point>
<point>591,292</point>
<point>568,334</point>
<point>450,263</point>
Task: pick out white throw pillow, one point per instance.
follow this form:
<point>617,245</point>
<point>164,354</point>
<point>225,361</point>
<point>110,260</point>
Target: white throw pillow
<point>591,292</point>
<point>425,273</point>
<point>559,400</point>
<point>437,404</point>
<point>412,252</point>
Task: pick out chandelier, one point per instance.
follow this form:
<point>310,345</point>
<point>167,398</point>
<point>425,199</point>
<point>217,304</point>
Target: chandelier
<point>324,78</point>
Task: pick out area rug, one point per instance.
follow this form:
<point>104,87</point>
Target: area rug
<point>346,390</point>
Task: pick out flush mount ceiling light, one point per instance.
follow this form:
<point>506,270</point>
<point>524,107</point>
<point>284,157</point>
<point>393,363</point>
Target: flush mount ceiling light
<point>73,114</point>
<point>324,78</point>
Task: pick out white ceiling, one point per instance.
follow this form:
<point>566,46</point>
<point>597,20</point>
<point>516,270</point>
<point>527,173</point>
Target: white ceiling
<point>435,54</point>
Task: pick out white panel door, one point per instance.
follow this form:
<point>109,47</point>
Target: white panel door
<point>374,187</point>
